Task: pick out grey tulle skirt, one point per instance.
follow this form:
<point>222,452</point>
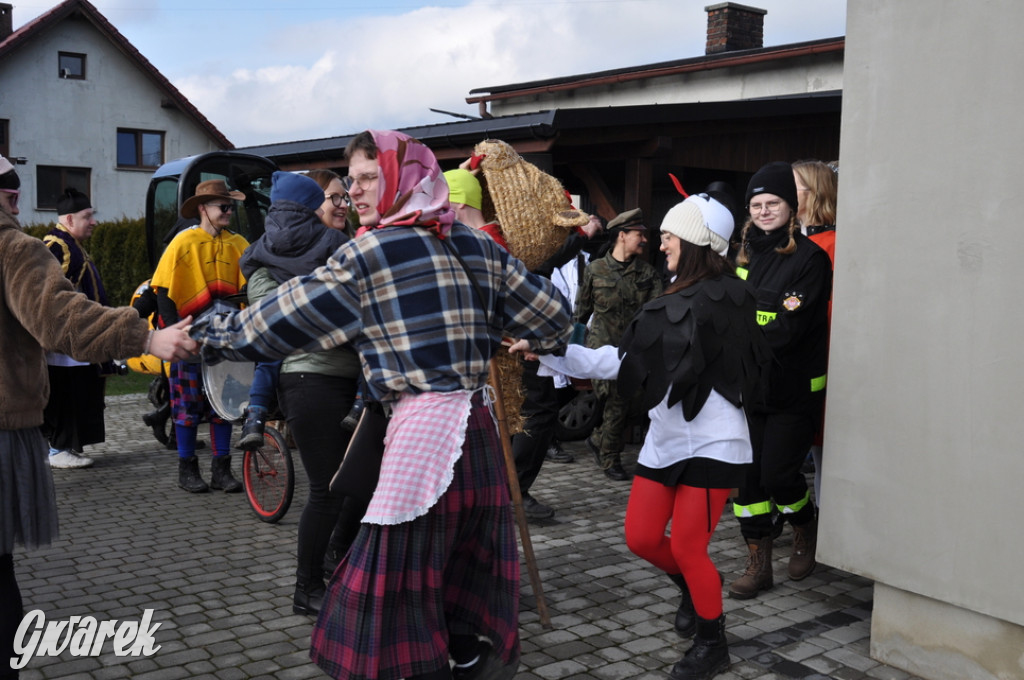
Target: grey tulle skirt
<point>28,504</point>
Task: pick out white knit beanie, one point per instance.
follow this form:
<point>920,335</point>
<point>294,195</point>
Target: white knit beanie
<point>702,221</point>
<point>8,176</point>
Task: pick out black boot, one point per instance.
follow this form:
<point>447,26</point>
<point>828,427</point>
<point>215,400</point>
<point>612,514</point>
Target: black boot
<point>709,654</point>
<point>686,617</point>
<point>252,428</point>
<point>189,478</point>
<point>309,596</point>
<point>332,558</point>
<point>488,665</point>
<point>221,477</point>
<point>352,419</point>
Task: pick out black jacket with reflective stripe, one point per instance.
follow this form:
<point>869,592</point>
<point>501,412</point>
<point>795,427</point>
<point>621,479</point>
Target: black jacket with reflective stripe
<point>792,302</point>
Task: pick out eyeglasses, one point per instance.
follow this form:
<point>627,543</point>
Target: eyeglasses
<point>771,206</point>
<point>337,200</point>
<point>364,181</point>
<point>15,194</point>
<point>224,207</point>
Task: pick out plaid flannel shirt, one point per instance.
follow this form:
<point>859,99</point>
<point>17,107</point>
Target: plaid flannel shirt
<point>407,306</point>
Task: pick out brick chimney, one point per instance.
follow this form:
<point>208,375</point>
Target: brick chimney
<point>732,26</point>
<point>6,20</point>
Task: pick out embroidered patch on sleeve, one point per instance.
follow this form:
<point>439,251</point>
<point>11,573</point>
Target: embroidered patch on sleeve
<point>792,301</point>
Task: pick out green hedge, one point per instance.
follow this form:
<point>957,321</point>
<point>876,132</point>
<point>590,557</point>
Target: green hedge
<point>119,250</point>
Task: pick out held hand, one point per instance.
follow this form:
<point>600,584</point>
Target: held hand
<point>468,164</point>
<point>172,343</point>
<point>592,227</point>
<point>522,347</point>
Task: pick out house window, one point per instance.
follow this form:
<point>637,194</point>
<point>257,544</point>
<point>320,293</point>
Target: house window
<point>139,148</point>
<point>52,180</point>
<point>5,146</point>
<point>71,65</point>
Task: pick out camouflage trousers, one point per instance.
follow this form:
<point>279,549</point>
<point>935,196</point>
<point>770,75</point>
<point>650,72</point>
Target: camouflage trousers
<point>608,436</point>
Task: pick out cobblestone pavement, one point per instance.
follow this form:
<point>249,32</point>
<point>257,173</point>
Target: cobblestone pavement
<point>220,582</point>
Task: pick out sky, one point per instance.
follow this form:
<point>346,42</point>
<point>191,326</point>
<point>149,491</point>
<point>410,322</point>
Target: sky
<point>266,71</point>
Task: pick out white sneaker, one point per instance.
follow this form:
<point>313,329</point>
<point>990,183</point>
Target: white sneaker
<point>65,460</point>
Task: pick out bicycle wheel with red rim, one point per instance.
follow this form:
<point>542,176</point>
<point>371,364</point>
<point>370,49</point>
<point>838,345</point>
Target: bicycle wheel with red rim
<point>269,477</point>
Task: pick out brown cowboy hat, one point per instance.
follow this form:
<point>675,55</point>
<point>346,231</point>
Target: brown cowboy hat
<point>210,190</point>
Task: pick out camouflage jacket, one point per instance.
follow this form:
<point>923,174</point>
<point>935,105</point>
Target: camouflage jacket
<point>613,292</point>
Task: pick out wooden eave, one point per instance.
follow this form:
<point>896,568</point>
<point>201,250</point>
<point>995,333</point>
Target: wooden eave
<point>711,62</point>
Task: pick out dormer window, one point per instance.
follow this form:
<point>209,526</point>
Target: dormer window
<point>71,65</point>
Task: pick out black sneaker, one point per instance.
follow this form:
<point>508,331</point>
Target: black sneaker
<point>534,509</point>
<point>618,473</point>
<point>556,454</point>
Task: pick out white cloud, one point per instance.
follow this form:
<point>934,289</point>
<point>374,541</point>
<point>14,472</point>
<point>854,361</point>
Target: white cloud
<point>387,72</point>
<point>268,70</point>
<point>338,76</point>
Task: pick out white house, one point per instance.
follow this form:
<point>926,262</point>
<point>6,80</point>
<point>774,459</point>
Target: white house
<point>736,67</point>
<point>82,107</point>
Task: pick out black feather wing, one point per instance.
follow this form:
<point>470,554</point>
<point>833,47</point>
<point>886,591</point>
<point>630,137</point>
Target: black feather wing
<point>690,342</point>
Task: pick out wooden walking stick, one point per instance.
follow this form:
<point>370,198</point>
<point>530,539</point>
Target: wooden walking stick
<point>517,500</point>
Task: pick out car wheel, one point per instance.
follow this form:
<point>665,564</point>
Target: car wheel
<point>578,418</point>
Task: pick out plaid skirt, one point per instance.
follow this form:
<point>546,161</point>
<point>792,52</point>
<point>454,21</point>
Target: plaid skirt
<point>189,405</point>
<point>403,588</point>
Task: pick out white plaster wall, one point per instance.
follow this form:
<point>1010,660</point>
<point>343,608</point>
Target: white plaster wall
<point>938,641</point>
<point>924,445</point>
<point>815,73</point>
<point>61,122</point>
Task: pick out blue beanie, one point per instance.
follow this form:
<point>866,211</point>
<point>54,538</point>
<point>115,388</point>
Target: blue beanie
<point>287,186</point>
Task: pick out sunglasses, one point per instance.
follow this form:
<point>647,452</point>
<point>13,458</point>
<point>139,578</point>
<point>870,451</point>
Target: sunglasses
<point>224,207</point>
<point>15,194</point>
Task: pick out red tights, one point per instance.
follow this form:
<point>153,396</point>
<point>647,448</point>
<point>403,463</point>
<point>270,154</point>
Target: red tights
<point>685,550</point>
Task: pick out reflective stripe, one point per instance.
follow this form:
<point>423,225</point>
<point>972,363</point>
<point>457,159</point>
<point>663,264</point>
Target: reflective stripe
<point>796,507</point>
<point>765,317</point>
<point>753,510</point>
<point>818,384</point>
<point>742,273</point>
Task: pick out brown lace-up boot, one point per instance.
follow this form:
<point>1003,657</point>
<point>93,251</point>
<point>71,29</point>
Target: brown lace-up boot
<point>758,574</point>
<point>805,544</point>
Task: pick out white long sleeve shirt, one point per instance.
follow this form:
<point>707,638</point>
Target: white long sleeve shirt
<point>719,431</point>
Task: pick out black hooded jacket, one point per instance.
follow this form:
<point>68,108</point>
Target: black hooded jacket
<point>295,242</point>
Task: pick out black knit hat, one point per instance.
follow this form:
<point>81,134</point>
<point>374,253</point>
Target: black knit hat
<point>774,178</point>
<point>72,201</point>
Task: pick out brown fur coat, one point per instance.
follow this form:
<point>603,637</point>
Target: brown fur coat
<point>39,311</point>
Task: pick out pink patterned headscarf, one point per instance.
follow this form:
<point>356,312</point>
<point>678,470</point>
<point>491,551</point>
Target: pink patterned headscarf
<point>411,187</point>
